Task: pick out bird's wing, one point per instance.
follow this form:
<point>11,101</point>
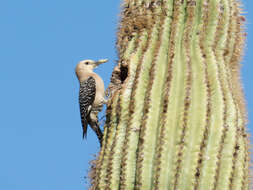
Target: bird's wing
<point>86,98</point>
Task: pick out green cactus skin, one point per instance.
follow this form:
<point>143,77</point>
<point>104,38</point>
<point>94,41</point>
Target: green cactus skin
<point>176,118</point>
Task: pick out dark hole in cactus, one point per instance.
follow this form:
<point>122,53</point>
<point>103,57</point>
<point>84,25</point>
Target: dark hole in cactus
<point>119,75</point>
<point>197,174</point>
<point>123,73</point>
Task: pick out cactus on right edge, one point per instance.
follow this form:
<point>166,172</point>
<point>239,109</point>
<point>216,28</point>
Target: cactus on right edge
<point>176,118</point>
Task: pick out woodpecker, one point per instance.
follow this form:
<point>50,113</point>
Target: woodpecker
<point>91,95</point>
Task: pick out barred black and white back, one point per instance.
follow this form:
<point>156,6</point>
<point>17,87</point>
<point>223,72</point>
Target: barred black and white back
<point>87,95</point>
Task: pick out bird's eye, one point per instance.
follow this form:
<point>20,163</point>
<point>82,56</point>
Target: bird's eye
<point>86,63</point>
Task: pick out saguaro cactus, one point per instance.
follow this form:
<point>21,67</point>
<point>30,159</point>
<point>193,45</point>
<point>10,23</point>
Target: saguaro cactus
<point>176,117</point>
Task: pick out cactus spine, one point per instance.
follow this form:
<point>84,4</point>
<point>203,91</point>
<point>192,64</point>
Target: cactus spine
<point>176,118</point>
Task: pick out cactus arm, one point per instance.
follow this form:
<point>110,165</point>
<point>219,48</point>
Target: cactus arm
<point>197,111</point>
<point>116,154</point>
<point>110,133</point>
<point>138,94</point>
<point>207,177</point>
<point>230,111</point>
<point>106,150</point>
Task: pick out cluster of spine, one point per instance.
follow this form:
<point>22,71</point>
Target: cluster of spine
<point>176,118</point>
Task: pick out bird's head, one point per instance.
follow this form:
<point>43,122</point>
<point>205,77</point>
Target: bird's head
<point>87,66</point>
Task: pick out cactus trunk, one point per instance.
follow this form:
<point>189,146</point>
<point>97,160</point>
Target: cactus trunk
<point>176,117</point>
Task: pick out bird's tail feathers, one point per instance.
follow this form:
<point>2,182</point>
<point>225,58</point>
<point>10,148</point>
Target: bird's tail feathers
<point>84,135</point>
<point>84,126</point>
<point>96,128</point>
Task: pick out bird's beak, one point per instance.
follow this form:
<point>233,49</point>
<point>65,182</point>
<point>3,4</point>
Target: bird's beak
<point>97,63</point>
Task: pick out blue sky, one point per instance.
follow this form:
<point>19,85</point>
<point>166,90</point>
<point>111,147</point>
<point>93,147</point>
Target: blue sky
<point>40,131</point>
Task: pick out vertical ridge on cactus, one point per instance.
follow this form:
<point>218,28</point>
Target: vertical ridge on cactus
<point>176,117</point>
